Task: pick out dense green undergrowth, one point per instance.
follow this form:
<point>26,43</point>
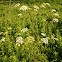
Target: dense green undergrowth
<point>30,33</point>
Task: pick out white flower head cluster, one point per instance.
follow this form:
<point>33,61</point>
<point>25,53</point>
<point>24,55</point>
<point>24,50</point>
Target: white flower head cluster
<point>24,8</point>
<point>56,39</point>
<point>43,19</point>
<point>43,34</point>
<point>18,4</point>
<point>9,28</point>
<point>52,37</point>
<point>56,14</point>
<point>55,20</point>
<point>47,4</point>
<point>19,41</point>
<point>1,33</point>
<point>44,5</point>
<point>20,14</point>
<point>53,10</point>
<point>3,39</point>
<point>36,7</point>
<point>44,40</point>
<point>24,29</point>
<point>19,34</point>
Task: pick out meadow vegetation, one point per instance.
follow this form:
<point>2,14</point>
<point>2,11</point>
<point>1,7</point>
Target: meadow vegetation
<point>31,31</point>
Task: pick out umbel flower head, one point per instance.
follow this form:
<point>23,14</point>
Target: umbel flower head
<point>20,14</point>
<point>24,29</point>
<point>52,37</point>
<point>36,7</point>
<point>30,39</point>
<point>53,10</point>
<point>44,40</point>
<point>55,20</point>
<point>44,5</point>
<point>56,14</point>
<point>18,4</point>
<point>9,28</point>
<point>43,34</point>
<point>24,8</point>
<point>3,39</point>
<point>43,19</point>
<point>19,41</point>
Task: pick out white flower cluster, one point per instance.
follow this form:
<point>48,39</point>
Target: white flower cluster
<point>19,34</point>
<point>24,8</point>
<point>18,4</point>
<point>19,41</point>
<point>47,4</point>
<point>44,40</point>
<point>56,14</point>
<point>1,33</point>
<point>43,34</point>
<point>55,20</point>
<point>56,39</point>
<point>43,19</point>
<point>9,28</point>
<point>24,29</point>
<point>20,14</point>
<point>3,39</point>
<point>53,10</point>
<point>36,7</point>
<point>52,37</point>
<point>44,5</point>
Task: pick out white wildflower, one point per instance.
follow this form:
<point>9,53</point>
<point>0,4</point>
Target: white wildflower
<point>3,39</point>
<point>56,45</point>
<point>9,28</point>
<point>55,20</point>
<point>19,41</point>
<point>24,29</point>
<point>18,4</point>
<point>42,6</point>
<point>19,34</point>
<point>53,10</point>
<point>52,37</point>
<point>1,33</point>
<point>43,19</point>
<point>48,4</point>
<point>56,39</point>
<point>56,14</point>
<point>44,40</point>
<point>20,14</point>
<point>43,34</point>
<point>24,8</point>
<point>36,7</point>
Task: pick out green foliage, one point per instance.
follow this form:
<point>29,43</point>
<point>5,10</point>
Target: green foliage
<point>28,28</point>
